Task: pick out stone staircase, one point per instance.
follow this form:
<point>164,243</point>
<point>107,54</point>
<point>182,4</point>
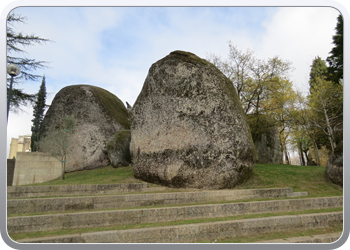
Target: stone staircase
<point>103,211</point>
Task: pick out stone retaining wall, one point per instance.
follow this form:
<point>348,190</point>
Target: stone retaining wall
<point>10,170</point>
<point>51,222</point>
<point>69,190</point>
<point>35,167</point>
<point>61,204</point>
<point>321,238</point>
<point>203,231</point>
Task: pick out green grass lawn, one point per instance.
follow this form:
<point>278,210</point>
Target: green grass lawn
<point>300,178</point>
<point>102,175</point>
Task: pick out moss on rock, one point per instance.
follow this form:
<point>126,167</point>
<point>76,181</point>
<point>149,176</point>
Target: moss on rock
<point>112,106</point>
<point>118,148</point>
<point>334,167</point>
<point>98,113</point>
<point>188,127</point>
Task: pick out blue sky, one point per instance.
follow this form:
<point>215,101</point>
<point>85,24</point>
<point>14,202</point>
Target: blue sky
<point>114,47</point>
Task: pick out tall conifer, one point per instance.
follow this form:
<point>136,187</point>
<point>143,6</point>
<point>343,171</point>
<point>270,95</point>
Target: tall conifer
<point>335,60</point>
<point>318,70</point>
<point>38,114</point>
<point>16,42</point>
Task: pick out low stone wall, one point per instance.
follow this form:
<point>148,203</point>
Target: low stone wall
<point>69,190</point>
<point>24,224</point>
<point>203,231</point>
<point>10,170</point>
<point>137,200</point>
<point>35,168</point>
<point>320,238</point>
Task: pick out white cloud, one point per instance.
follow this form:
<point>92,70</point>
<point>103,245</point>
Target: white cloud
<point>113,48</point>
<point>299,34</point>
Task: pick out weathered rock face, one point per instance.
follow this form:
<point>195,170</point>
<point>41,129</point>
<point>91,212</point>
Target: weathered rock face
<point>98,113</point>
<point>334,167</point>
<point>188,128</point>
<point>269,147</point>
<point>118,148</point>
<point>266,139</point>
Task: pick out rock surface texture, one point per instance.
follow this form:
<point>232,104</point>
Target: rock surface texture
<point>98,114</point>
<point>269,147</point>
<point>118,148</point>
<point>334,167</point>
<point>266,139</point>
<point>188,128</point>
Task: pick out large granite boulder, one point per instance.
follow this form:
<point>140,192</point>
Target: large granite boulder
<point>98,114</point>
<point>334,167</point>
<point>188,128</point>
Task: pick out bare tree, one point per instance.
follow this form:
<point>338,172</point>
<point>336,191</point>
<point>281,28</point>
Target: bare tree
<point>58,141</point>
<point>253,78</point>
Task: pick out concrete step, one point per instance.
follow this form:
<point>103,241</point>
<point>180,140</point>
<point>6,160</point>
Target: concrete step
<point>63,204</point>
<point>320,238</point>
<point>53,222</point>
<point>202,231</point>
<point>76,190</point>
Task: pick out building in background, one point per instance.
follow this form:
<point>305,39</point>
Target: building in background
<point>20,144</point>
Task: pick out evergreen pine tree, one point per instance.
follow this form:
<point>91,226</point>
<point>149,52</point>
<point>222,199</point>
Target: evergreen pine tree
<point>15,43</point>
<point>335,60</point>
<point>318,70</point>
<point>38,114</point>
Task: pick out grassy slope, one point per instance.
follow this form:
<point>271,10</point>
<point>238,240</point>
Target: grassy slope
<point>300,178</point>
<point>103,175</point>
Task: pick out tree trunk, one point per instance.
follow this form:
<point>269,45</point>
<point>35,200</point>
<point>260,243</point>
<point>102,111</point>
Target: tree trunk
<point>289,158</point>
<point>307,162</point>
<point>62,170</point>
<point>302,161</point>
<point>330,130</point>
<point>317,154</point>
<point>285,153</point>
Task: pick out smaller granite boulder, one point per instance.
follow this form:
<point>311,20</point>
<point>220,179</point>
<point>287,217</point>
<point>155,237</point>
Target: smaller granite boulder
<point>266,139</point>
<point>269,147</point>
<point>98,114</point>
<point>118,148</point>
<point>334,167</point>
